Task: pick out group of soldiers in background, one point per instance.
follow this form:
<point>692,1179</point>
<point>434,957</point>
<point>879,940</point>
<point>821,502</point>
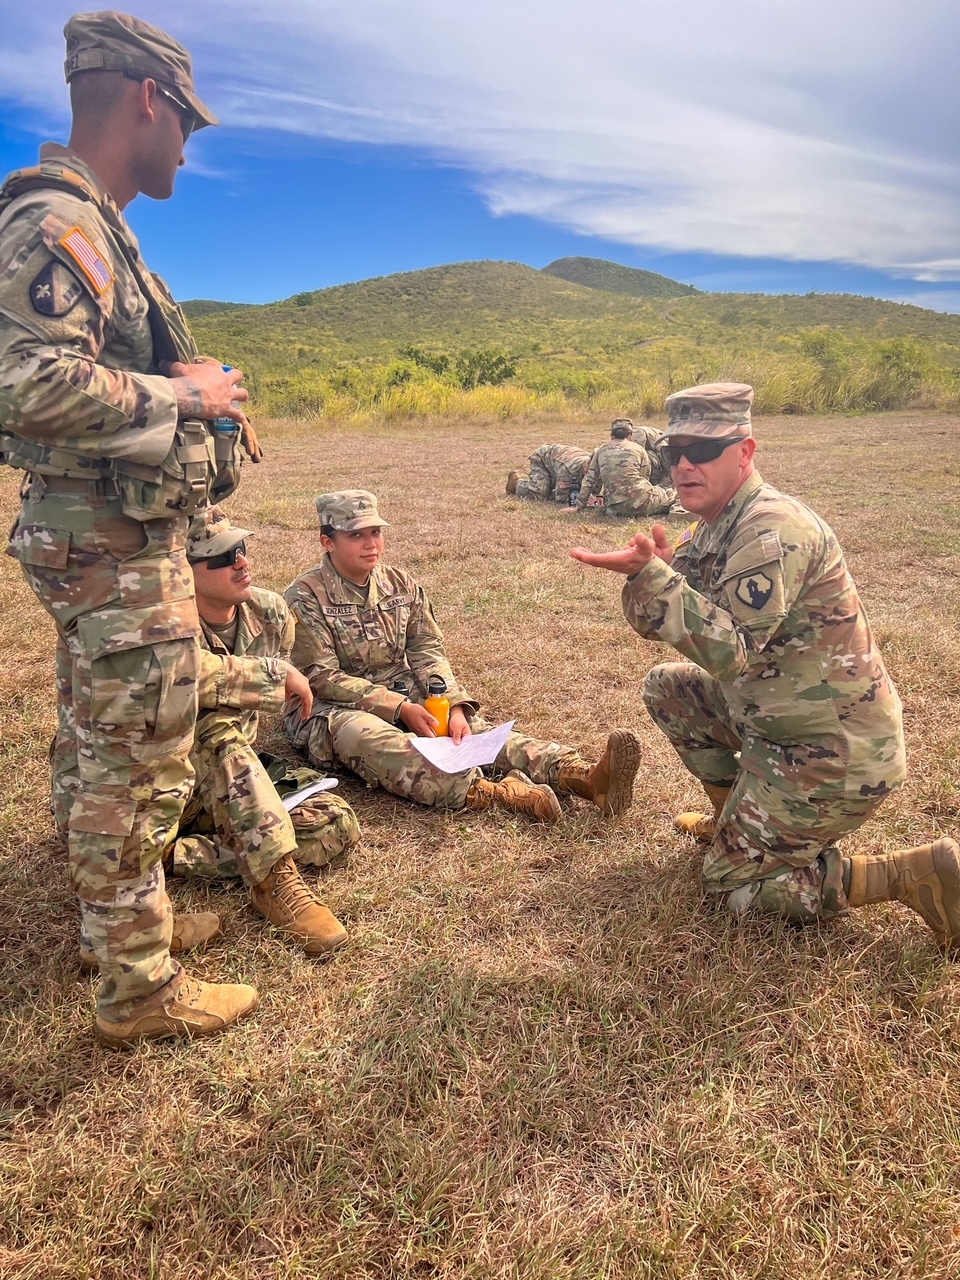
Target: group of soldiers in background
<point>167,652</point>
<point>626,476</point>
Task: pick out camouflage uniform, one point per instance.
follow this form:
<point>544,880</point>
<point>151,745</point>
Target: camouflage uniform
<point>650,438</point>
<point>235,823</point>
<point>80,397</point>
<point>786,699</point>
<point>555,470</point>
<point>367,650</point>
<point>621,470</point>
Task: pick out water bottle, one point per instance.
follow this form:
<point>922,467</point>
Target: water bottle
<point>438,704</point>
<point>227,424</point>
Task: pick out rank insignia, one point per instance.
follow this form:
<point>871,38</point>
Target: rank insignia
<point>754,590</point>
<point>55,291</point>
<point>88,259</point>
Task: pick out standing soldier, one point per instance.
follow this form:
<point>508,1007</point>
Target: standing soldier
<point>117,452</point>
<point>556,471</point>
<point>784,710</point>
<point>621,470</point>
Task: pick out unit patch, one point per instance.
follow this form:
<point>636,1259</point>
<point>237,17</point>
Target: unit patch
<point>55,291</point>
<point>88,259</point>
<point>754,590</point>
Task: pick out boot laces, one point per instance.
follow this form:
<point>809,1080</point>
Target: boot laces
<point>290,889</point>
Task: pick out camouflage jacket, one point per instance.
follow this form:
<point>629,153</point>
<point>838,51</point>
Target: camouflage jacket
<point>251,678</point>
<point>762,599</point>
<point>621,470</point>
<point>77,380</point>
<point>354,652</point>
<point>646,437</point>
<point>565,463</point>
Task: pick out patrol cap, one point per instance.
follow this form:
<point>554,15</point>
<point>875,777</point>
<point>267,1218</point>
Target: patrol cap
<point>349,509</point>
<point>714,411</point>
<point>622,422</point>
<point>111,41</point>
<point>211,534</point>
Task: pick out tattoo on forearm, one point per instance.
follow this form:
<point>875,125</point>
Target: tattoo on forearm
<point>189,398</point>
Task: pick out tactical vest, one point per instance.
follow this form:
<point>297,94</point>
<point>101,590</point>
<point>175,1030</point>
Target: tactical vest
<point>203,464</point>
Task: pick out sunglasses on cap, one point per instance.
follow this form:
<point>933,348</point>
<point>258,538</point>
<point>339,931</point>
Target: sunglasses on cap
<point>227,559</point>
<point>697,451</point>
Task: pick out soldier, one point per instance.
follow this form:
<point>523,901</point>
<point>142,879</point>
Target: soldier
<point>116,453</point>
<point>369,643</point>
<point>621,470</point>
<point>649,438</point>
<point>785,712</point>
<point>556,470</point>
<point>235,823</point>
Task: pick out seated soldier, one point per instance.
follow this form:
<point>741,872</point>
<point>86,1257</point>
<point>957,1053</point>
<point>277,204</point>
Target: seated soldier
<point>621,470</point>
<point>369,643</point>
<point>235,823</point>
<point>556,471</point>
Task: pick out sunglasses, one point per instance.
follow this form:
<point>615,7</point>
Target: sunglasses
<point>698,451</point>
<point>228,558</point>
<point>187,119</point>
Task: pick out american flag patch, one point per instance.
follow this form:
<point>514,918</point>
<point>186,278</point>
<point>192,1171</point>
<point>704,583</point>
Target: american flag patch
<point>87,259</point>
<point>686,535</point>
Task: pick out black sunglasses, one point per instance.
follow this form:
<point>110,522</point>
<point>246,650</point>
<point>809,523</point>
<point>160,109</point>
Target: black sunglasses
<point>228,559</point>
<point>698,451</point>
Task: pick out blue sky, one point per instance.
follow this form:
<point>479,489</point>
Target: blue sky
<point>746,145</point>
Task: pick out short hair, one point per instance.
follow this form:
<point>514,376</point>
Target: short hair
<point>328,531</point>
<point>94,95</point>
<point>620,431</point>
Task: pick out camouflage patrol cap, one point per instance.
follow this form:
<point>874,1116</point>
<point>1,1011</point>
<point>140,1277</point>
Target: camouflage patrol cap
<point>211,534</point>
<point>622,422</point>
<point>111,41</point>
<point>349,509</point>
<point>715,410</point>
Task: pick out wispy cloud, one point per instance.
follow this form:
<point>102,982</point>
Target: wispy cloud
<point>815,132</point>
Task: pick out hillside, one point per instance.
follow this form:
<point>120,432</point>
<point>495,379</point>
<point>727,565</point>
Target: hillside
<point>369,346</point>
<point>598,273</point>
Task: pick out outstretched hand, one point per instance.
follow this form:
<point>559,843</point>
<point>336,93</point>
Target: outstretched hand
<point>636,555</point>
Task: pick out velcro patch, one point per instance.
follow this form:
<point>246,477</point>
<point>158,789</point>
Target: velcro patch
<point>686,535</point>
<point>338,610</point>
<point>88,259</point>
<point>754,589</point>
<point>55,291</point>
<point>395,602</point>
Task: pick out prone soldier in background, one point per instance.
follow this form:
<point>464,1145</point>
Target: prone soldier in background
<point>620,470</point>
<point>368,640</point>
<point>556,471</point>
<point>117,452</point>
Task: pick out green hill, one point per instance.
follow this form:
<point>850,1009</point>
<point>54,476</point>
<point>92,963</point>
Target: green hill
<point>407,342</point>
<point>598,273</point>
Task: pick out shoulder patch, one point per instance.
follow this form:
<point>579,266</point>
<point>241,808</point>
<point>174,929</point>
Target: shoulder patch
<point>88,259</point>
<point>55,291</point>
<point>686,535</point>
<point>754,589</point>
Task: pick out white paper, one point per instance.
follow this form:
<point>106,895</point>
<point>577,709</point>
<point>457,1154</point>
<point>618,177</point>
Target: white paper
<point>291,801</point>
<point>475,750</point>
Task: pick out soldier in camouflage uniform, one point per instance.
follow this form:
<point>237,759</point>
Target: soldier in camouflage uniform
<point>556,471</point>
<point>235,823</point>
<point>369,643</point>
<point>89,416</point>
<point>620,469</point>
<point>785,712</point>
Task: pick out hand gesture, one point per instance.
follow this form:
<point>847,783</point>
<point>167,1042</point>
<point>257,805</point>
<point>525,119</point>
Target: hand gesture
<point>636,555</point>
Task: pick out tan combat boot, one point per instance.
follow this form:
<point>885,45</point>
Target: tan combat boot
<point>517,793</point>
<point>512,479</point>
<point>194,1009</point>
<point>189,931</point>
<point>699,825</point>
<point>926,878</point>
<point>287,902</point>
<point>609,782</point>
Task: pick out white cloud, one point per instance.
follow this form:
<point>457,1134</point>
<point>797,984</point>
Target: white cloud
<point>817,130</point>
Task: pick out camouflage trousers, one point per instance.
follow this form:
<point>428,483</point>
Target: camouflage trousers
<point>655,501</point>
<point>383,755</point>
<point>120,593</point>
<point>775,848</point>
<point>235,823</point>
<point>540,485</point>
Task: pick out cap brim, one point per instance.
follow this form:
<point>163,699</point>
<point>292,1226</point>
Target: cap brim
<point>363,522</point>
<point>222,543</point>
<point>202,115</point>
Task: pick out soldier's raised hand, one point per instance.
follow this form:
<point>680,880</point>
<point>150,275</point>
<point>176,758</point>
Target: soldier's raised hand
<point>636,555</point>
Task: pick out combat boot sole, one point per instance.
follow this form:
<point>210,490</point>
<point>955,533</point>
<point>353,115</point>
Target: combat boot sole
<point>197,1009</point>
<point>624,752</point>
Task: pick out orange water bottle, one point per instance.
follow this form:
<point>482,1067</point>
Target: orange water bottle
<point>438,704</point>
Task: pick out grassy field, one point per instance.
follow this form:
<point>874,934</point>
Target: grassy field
<point>543,1055</point>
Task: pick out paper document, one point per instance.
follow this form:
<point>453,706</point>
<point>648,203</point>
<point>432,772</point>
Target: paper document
<point>473,751</point>
<point>291,801</point>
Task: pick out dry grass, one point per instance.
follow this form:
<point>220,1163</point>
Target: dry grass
<point>543,1056</point>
